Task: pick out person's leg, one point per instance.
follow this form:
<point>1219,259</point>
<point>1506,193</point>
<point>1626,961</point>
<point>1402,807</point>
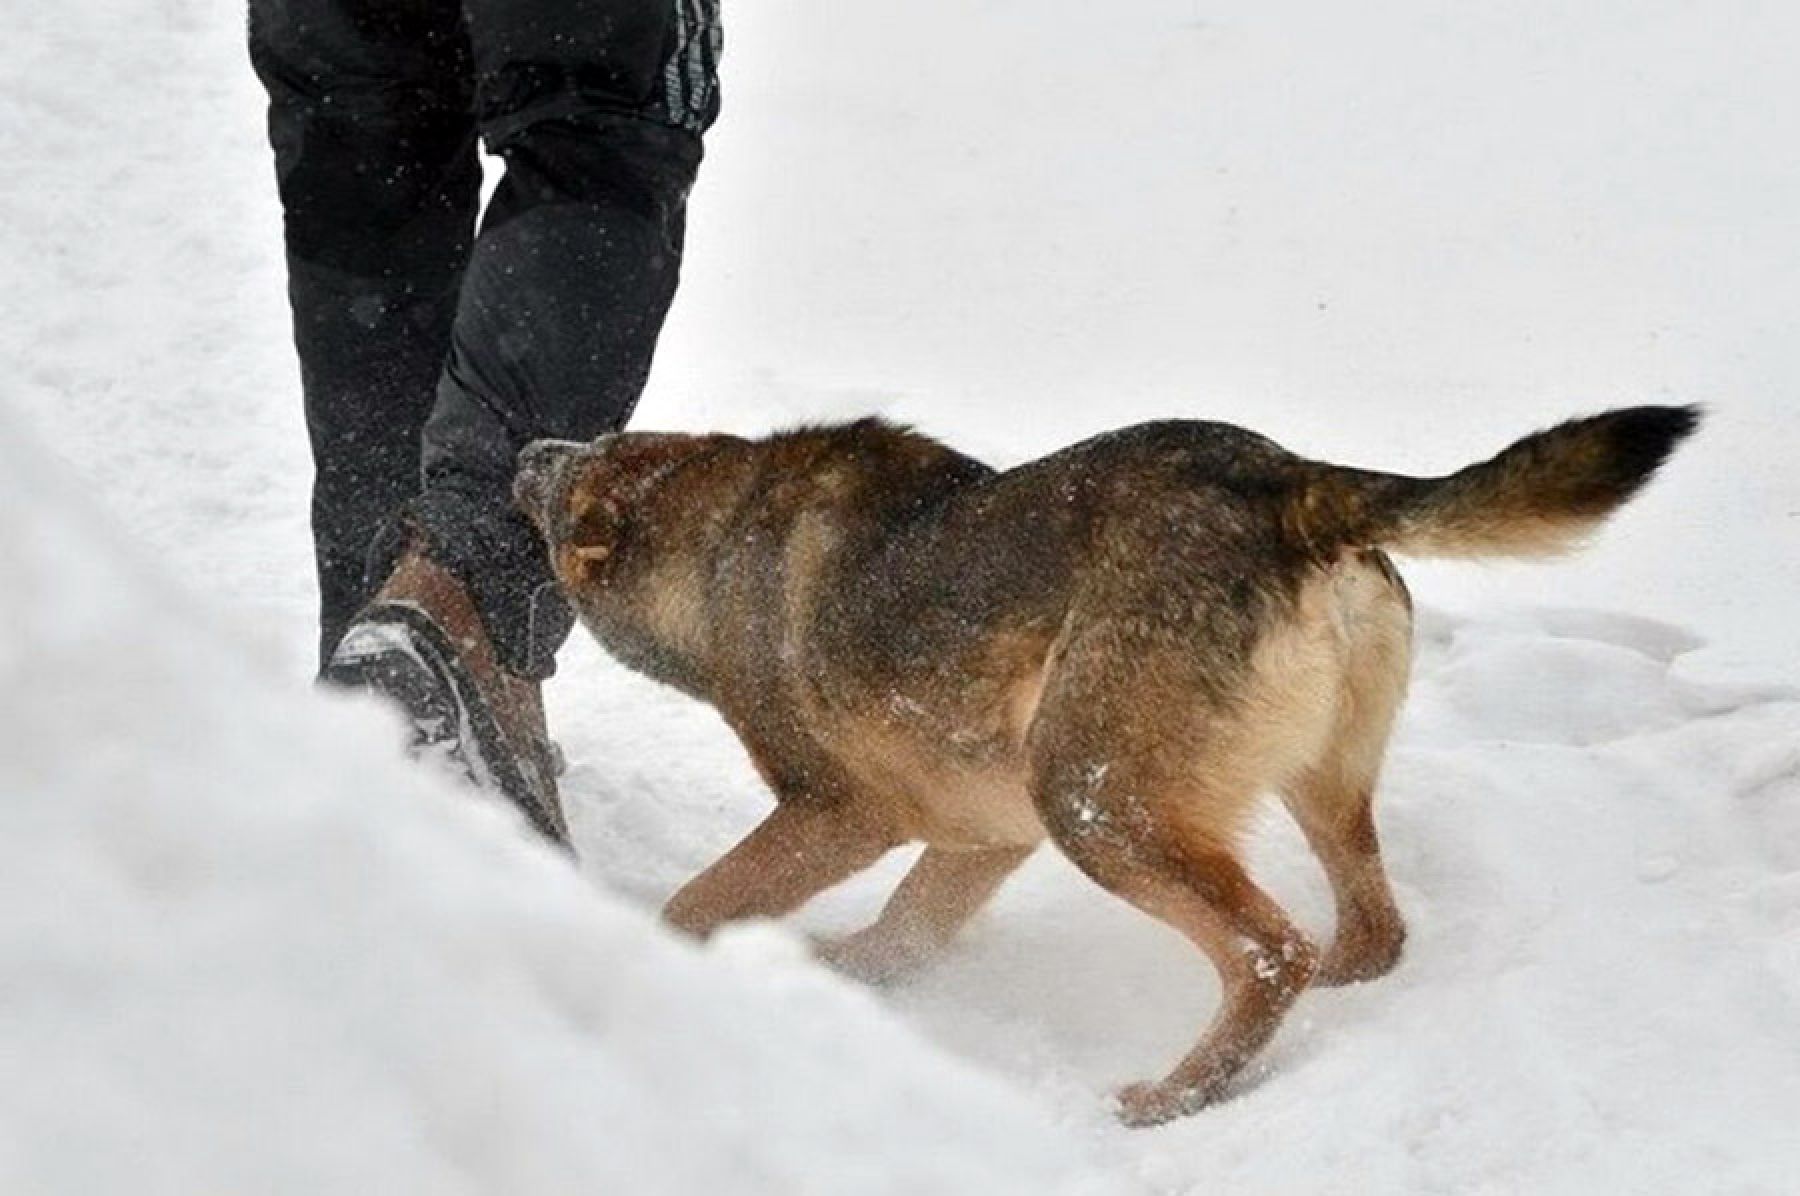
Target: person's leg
<point>596,107</point>
<point>371,120</point>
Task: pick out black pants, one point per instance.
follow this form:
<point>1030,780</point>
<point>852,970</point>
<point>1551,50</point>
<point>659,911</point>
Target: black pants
<point>431,354</point>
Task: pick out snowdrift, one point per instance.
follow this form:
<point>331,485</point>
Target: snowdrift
<point>244,947</point>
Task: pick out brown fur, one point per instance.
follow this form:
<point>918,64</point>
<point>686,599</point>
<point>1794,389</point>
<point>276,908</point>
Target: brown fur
<point>1120,647</point>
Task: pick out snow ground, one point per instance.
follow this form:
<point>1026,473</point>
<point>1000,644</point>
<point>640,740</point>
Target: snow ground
<point>292,962</point>
<point>1395,235</point>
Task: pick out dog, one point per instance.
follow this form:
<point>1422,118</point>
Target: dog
<point>1120,647</point>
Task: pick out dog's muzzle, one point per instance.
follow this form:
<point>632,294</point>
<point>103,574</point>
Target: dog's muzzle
<point>541,466</point>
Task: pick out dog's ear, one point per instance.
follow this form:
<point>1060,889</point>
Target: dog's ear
<point>591,533</point>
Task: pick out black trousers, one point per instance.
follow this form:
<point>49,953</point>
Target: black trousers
<point>430,353</point>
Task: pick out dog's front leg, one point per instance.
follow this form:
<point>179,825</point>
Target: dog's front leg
<point>941,893</point>
<point>794,854</point>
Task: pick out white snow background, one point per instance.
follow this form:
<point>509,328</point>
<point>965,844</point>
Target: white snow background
<point>245,948</point>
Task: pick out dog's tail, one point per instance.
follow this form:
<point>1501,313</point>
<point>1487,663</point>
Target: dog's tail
<point>1537,497</point>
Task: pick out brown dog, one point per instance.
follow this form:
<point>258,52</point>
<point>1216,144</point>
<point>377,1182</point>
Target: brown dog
<point>1121,646</point>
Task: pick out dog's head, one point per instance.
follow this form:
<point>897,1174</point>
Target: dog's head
<point>629,521</point>
<point>593,500</point>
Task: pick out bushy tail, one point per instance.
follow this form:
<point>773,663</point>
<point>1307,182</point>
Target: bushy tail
<point>1537,497</point>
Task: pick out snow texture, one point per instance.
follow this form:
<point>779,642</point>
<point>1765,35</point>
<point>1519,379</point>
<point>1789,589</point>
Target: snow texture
<point>245,947</point>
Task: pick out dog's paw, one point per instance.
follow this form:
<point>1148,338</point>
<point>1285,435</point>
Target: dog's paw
<point>1153,1102</point>
<point>867,956</point>
<point>1356,957</point>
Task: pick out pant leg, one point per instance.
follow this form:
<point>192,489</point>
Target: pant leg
<point>596,107</point>
<point>371,120</point>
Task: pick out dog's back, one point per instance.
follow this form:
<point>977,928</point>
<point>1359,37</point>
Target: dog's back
<point>1204,529</point>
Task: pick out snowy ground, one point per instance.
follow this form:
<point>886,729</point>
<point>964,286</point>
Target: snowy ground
<point>1396,235</point>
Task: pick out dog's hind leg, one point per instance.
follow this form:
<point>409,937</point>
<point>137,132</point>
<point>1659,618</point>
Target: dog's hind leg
<point>1154,741</point>
<point>1145,827</point>
<point>794,854</point>
<point>1264,961</point>
<point>1333,798</point>
<point>1337,815</point>
<point>937,898</point>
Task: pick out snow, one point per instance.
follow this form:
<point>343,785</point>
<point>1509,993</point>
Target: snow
<point>243,947</point>
<point>248,948</point>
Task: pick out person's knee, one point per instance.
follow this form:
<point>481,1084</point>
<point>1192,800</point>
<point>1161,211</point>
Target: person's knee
<point>656,59</point>
<point>364,193</point>
<point>607,104</point>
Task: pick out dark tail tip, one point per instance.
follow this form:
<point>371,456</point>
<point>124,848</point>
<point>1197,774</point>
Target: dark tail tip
<point>1642,438</point>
